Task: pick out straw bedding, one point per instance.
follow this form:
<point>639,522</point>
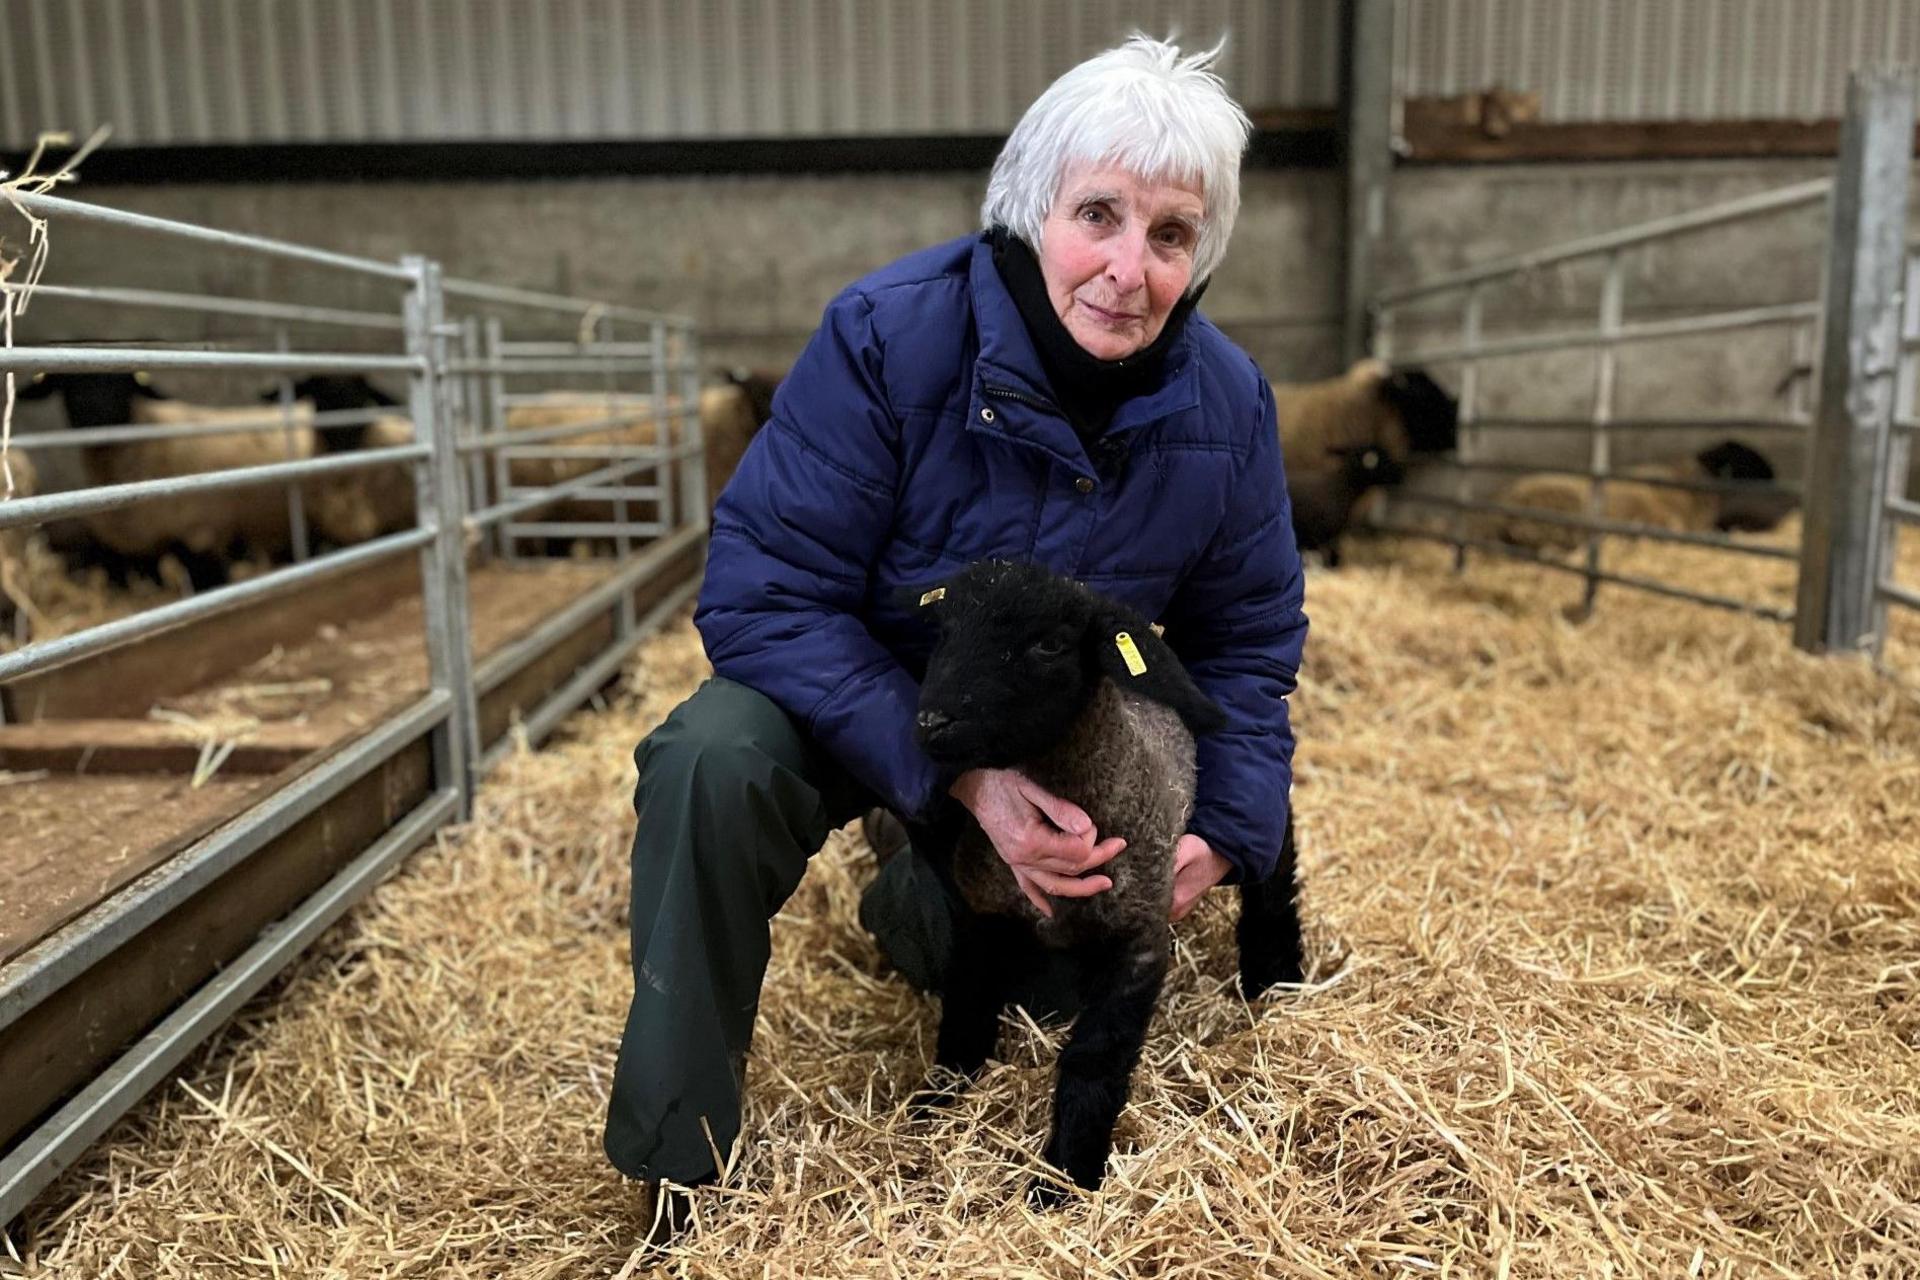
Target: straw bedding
<point>1614,931</point>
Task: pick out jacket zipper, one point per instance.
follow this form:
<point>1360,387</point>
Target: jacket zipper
<point>1008,393</point>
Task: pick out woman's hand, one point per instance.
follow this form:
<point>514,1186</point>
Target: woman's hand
<point>1196,869</point>
<point>1048,843</point>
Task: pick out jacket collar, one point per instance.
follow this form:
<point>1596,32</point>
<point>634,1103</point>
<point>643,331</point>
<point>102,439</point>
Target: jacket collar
<point>1022,403</point>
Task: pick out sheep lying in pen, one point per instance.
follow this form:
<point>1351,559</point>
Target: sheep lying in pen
<point>1037,672</point>
<point>1753,504</point>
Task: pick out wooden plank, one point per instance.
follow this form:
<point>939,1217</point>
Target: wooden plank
<point>146,746</point>
<point>59,1045</point>
<point>523,691</point>
<point>1442,137</point>
<point>124,682</point>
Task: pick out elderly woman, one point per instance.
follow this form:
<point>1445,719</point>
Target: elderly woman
<point>1045,392</point>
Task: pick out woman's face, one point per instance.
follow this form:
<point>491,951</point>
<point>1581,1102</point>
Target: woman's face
<point>1117,254</point>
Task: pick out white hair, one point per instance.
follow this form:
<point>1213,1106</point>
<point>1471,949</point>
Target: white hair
<point>1143,108</point>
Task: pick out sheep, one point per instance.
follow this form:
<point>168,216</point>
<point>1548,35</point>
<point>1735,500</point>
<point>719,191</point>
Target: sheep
<point>1757,509</point>
<point>729,417</point>
<point>362,505</point>
<point>759,386</point>
<point>203,530</point>
<point>1323,501</point>
<point>1033,671</point>
<point>19,469</point>
<point>1401,412</point>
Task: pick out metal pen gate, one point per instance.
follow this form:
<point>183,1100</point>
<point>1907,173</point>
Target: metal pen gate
<point>414,770</point>
<point>1858,449</point>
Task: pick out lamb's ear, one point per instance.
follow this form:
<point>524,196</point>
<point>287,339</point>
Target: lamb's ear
<point>1139,661</point>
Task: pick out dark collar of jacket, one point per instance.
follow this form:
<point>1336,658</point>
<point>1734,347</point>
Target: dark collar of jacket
<point>1010,396</point>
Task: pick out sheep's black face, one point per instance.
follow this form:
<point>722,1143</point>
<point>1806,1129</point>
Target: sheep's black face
<point>1430,415</point>
<point>1368,467</point>
<point>94,399</point>
<point>1009,673</point>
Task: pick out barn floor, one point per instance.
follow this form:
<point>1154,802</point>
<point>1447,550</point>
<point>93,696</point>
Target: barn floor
<point>1613,926</point>
<point>74,837</point>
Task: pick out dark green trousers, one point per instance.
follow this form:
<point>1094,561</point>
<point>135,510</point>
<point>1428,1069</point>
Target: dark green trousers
<point>733,798</point>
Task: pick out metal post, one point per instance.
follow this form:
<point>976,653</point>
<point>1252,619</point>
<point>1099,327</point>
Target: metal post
<point>693,435</point>
<point>1367,132</point>
<point>1600,454</point>
<point>1846,468</point>
<point>472,419</point>
<point>1470,319</point>
<point>296,500</point>
<point>504,545</point>
<point>443,561</point>
<point>1906,399</point>
<point>622,540</point>
<point>667,435</point>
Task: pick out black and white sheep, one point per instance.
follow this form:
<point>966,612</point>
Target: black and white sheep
<point>1035,672</point>
<point>204,531</point>
<point>1324,501</point>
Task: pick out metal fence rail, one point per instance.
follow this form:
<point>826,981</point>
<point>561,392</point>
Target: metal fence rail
<point>640,496</point>
<point>1844,562</point>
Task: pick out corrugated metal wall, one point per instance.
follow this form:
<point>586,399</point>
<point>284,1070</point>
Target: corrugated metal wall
<point>195,71</point>
<point>1614,60</point>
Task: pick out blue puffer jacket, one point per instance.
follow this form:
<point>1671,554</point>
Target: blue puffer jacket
<point>915,435</point>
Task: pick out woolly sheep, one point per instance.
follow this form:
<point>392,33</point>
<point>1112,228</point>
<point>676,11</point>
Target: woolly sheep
<point>1625,501</point>
<point>203,530</point>
<point>1402,413</point>
<point>1033,671</point>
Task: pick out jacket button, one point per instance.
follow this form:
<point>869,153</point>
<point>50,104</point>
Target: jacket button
<point>1084,484</point>
<point>986,415</point>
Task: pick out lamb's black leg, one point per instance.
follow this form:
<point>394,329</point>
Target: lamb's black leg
<point>1269,929</point>
<point>985,949</point>
<point>1332,553</point>
<point>1096,1068</point>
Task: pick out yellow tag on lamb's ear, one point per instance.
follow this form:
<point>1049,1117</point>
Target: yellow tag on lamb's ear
<point>1130,653</point>
<point>142,377</point>
<point>938,593</point>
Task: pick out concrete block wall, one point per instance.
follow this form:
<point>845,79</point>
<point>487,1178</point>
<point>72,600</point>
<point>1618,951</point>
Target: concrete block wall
<point>754,259</point>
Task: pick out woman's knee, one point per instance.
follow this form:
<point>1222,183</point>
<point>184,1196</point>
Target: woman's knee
<point>726,738</point>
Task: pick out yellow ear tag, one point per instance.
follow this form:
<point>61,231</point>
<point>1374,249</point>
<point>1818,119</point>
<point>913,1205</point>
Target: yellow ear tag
<point>938,593</point>
<point>1130,652</point>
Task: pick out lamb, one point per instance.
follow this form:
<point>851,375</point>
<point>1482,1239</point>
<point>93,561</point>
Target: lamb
<point>1403,413</point>
<point>1758,508</point>
<point>204,530</point>
<point>1034,671</point>
<point>1324,501</point>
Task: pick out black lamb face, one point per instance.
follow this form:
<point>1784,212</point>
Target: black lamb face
<point>1010,672</point>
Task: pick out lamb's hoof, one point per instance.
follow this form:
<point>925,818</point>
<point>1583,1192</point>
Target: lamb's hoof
<point>931,1102</point>
<point>1259,974</point>
<point>1045,1194</point>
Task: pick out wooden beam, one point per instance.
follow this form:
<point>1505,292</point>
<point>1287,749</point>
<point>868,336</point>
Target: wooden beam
<point>1438,136</point>
<point>146,746</point>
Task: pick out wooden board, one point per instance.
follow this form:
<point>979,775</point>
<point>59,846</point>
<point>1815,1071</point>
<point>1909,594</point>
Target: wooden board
<point>147,746</point>
<point>64,1041</point>
<point>1432,136</point>
<point>127,680</point>
<point>70,841</point>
